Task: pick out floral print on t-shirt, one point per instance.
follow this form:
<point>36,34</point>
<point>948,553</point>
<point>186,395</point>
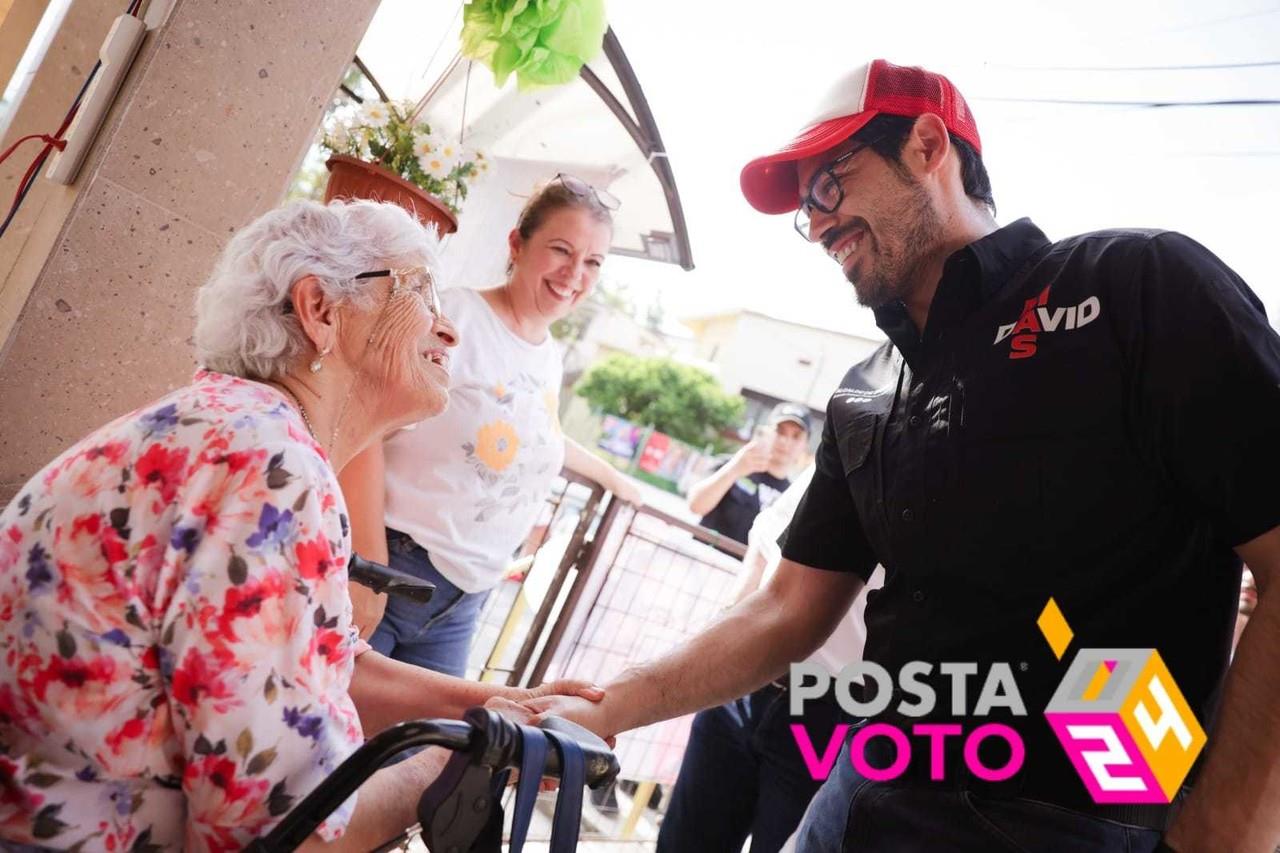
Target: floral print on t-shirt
<point>175,630</point>
<point>502,459</point>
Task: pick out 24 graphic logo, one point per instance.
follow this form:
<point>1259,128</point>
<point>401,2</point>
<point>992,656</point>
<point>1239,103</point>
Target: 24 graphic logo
<point>1121,719</point>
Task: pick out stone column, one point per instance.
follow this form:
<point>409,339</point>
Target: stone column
<point>218,110</point>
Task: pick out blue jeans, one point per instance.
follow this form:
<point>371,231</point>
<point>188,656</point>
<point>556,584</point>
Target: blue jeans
<point>742,775</point>
<point>852,813</point>
<point>436,635</point>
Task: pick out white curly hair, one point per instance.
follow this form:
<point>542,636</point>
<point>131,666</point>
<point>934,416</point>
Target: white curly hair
<point>242,325</point>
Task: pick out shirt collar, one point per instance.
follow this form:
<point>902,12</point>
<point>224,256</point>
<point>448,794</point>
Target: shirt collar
<point>971,277</point>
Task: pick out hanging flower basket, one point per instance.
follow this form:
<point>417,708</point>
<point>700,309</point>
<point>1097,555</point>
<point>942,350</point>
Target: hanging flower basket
<point>383,152</point>
<point>350,177</point>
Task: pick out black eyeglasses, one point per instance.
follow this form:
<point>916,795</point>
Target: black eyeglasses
<point>417,280</point>
<point>582,189</point>
<point>826,192</point>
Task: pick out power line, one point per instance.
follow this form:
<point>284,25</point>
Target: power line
<point>1111,68</point>
<point>1242,102</point>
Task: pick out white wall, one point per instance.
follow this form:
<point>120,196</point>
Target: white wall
<point>787,360</point>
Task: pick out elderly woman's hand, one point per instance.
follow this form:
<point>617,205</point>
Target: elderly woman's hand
<point>520,715</point>
<point>367,608</point>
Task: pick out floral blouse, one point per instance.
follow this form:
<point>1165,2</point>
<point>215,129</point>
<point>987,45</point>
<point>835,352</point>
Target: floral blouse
<point>175,629</point>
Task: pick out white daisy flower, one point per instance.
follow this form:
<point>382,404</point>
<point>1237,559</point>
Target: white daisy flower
<point>449,152</point>
<point>435,166</point>
<point>422,145</point>
<point>375,113</point>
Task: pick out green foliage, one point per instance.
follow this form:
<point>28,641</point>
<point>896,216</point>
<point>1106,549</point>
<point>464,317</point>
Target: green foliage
<point>542,42</point>
<point>682,401</point>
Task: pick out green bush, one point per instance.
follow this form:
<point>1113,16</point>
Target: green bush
<point>682,401</point>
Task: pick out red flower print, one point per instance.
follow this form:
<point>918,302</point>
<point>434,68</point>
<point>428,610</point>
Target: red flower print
<point>113,452</point>
<point>315,559</point>
<point>199,678</point>
<point>329,645</point>
<point>162,467</point>
<point>75,673</point>
<point>245,602</point>
<point>131,730</point>
<point>86,524</point>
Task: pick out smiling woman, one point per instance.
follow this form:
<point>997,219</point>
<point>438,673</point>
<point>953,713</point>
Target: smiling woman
<point>451,500</point>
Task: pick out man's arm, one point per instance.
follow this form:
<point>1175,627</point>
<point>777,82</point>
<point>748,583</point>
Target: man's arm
<point>762,539</point>
<point>584,463</point>
<point>742,650</point>
<point>1235,805</point>
<point>364,488</point>
<point>386,692</point>
<point>706,493</point>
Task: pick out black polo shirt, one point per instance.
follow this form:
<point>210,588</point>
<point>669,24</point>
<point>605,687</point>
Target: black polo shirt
<point>737,510</point>
<point>1096,420</point>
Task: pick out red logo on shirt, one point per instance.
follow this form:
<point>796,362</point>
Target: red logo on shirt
<point>1038,317</point>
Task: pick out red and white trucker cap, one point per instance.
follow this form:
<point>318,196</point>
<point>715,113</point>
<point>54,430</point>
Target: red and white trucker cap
<point>770,182</point>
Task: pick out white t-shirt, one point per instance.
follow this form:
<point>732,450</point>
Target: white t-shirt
<point>468,484</point>
<point>847,641</point>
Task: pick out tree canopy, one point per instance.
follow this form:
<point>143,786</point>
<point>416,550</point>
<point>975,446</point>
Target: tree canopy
<point>682,401</point>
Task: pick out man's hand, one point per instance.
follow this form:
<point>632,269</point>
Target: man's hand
<point>591,715</point>
<point>526,714</point>
<point>753,457</point>
<point>564,687</point>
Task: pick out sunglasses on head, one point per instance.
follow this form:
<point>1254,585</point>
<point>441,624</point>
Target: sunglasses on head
<point>582,189</point>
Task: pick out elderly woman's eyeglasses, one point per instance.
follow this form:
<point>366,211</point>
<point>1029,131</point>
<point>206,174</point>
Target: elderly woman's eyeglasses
<point>826,190</point>
<point>582,189</point>
<point>416,280</point>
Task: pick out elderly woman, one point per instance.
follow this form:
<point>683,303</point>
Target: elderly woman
<point>179,665</point>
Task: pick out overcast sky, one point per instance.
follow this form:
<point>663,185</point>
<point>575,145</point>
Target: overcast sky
<point>728,81</point>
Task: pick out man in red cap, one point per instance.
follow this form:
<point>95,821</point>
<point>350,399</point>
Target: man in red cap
<point>1093,422</point>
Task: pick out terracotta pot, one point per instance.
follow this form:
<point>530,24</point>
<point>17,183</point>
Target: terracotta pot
<point>353,178</point>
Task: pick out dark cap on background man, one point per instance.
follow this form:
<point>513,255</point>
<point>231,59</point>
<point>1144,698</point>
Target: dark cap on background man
<point>877,88</point>
<point>790,413</point>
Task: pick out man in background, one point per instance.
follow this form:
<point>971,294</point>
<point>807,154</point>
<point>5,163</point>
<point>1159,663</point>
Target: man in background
<point>729,500</point>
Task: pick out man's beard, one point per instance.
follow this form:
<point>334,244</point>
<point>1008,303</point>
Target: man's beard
<point>901,252</point>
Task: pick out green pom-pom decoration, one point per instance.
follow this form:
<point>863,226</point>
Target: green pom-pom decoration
<point>542,42</point>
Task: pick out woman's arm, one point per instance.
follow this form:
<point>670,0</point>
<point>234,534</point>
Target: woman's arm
<point>584,463</point>
<point>388,804</point>
<point>364,487</point>
<point>386,692</point>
